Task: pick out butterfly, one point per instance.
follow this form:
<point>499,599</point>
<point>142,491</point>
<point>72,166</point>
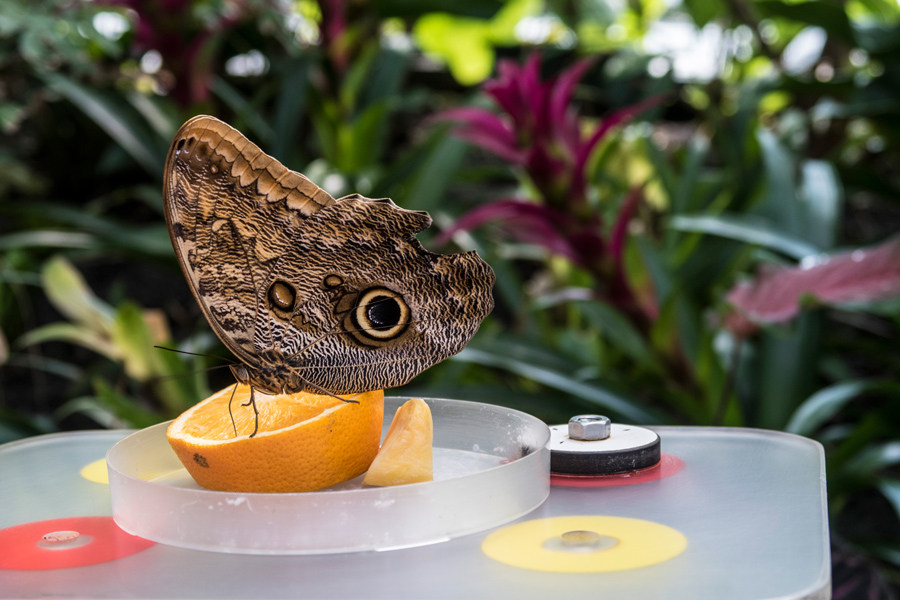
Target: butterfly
<point>311,293</point>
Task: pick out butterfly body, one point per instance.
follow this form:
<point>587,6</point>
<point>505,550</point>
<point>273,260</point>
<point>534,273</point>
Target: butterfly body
<point>312,293</point>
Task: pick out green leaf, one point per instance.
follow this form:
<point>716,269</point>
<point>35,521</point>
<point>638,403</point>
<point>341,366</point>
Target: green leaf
<point>874,458</point>
<point>127,131</point>
<point>787,369</point>
<point>433,178</point>
<point>133,341</point>
<point>828,402</point>
<point>68,332</point>
<point>125,408</point>
<point>745,228</point>
<point>70,295</point>
<point>481,9</point>
<point>823,196</point>
<point>621,333</point>
<point>891,490</point>
<point>48,238</point>
<point>830,16</point>
<point>245,111</point>
<point>290,106</point>
<point>703,11</point>
<point>618,406</point>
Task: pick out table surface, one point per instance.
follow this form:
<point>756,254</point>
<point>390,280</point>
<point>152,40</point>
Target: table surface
<point>751,505</point>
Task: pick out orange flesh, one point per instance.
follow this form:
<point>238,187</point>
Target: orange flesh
<point>406,455</point>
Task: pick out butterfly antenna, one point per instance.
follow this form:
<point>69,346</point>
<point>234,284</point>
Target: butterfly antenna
<point>161,378</point>
<point>252,401</point>
<point>194,353</point>
<point>230,414</point>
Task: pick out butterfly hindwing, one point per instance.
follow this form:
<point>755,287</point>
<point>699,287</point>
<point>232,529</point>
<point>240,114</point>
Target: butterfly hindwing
<point>373,307</point>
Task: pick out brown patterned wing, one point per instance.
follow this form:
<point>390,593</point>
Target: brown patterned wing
<point>358,304</point>
<point>232,213</point>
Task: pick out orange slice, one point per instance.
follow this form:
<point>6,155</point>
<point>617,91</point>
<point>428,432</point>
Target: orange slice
<point>406,455</point>
<point>305,441</point>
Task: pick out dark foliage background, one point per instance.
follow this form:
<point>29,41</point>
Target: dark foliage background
<point>691,206</point>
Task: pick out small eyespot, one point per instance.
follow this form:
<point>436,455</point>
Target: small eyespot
<point>213,169</point>
<point>282,296</point>
<point>179,146</point>
<point>333,281</point>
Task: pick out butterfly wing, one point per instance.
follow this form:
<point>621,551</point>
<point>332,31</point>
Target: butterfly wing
<point>311,292</point>
<point>372,308</point>
<point>232,212</point>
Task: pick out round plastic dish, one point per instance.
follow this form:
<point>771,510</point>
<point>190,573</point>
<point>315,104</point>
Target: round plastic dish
<point>491,466</point>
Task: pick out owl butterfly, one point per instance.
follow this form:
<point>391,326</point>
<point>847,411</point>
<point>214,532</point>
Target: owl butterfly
<point>311,293</point>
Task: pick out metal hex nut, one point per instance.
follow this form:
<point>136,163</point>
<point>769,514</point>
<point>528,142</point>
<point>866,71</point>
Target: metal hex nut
<point>589,428</point>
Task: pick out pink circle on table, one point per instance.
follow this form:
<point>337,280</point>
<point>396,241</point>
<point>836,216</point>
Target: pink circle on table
<point>667,466</point>
<point>99,540</point>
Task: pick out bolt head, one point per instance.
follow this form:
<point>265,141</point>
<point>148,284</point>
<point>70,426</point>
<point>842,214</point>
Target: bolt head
<point>589,428</point>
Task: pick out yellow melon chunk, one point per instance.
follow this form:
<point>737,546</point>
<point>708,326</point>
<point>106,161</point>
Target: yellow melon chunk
<point>405,456</point>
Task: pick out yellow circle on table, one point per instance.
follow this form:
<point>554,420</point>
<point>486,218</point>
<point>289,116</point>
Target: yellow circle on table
<point>532,544</point>
<point>96,472</point>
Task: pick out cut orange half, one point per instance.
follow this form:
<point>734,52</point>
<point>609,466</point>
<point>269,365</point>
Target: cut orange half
<point>305,441</point>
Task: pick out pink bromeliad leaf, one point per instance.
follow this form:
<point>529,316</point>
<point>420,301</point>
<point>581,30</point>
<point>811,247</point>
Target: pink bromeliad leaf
<point>527,222</point>
<point>863,275</point>
<point>485,129</point>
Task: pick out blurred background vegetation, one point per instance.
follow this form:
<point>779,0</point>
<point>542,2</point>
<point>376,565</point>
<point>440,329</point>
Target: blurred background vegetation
<point>690,206</point>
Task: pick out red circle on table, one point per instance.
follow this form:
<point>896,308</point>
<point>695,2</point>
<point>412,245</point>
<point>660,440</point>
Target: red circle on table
<point>23,547</point>
<point>667,466</point>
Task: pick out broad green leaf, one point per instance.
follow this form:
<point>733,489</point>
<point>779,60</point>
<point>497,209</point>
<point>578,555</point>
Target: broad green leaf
<point>779,203</point>
<point>828,402</point>
<point>133,341</point>
<point>70,295</point>
<point>787,369</point>
<point>429,185</point>
<point>745,228</point>
<point>132,136</point>
<point>874,458</point>
<point>125,408</point>
<point>703,11</point>
<point>619,330</point>
<point>48,238</point>
<point>822,200</point>
<point>290,105</point>
<point>68,332</point>
<point>245,111</point>
<point>481,9</point>
<point>618,406</point>
<point>48,365</point>
<point>829,16</point>
<point>891,490</point>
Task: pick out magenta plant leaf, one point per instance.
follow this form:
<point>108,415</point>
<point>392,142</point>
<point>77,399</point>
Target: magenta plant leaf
<point>486,130</point>
<point>863,275</point>
<point>561,94</point>
<point>525,221</point>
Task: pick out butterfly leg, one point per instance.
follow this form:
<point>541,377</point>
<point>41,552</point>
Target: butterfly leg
<point>326,392</point>
<point>230,414</point>
<point>252,401</point>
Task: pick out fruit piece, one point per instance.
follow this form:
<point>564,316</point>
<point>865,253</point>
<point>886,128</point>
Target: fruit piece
<point>305,441</point>
<point>405,456</point>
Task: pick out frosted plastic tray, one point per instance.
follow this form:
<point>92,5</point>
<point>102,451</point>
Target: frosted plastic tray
<point>492,465</point>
